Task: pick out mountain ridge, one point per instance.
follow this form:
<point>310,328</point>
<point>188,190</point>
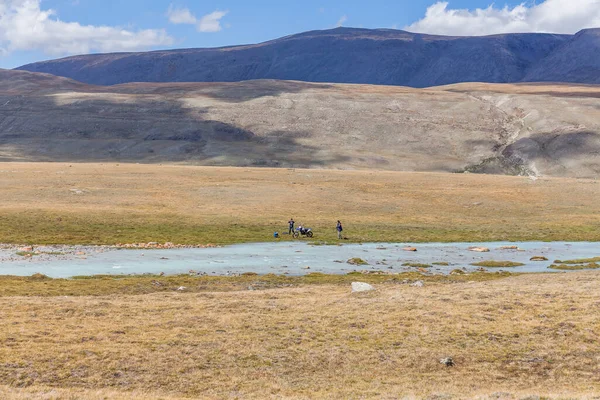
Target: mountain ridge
<point>353,55</point>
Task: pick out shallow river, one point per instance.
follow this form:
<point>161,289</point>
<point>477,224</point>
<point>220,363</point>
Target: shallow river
<point>286,258</point>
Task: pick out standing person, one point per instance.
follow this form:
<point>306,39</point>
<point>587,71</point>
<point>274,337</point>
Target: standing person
<point>291,225</point>
<point>339,229</point>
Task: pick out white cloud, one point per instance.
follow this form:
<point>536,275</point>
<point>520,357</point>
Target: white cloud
<point>341,21</point>
<point>25,26</point>
<point>211,22</point>
<point>208,23</point>
<point>180,15</point>
<point>554,16</point>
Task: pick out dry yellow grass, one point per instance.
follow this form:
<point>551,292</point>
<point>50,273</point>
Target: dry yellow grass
<point>523,335</point>
<point>184,204</point>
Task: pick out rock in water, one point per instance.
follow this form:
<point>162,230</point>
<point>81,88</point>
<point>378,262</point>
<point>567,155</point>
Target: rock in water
<point>361,287</point>
<point>479,249</point>
<point>538,258</point>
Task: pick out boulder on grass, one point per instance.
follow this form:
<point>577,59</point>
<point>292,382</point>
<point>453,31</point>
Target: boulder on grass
<point>358,287</point>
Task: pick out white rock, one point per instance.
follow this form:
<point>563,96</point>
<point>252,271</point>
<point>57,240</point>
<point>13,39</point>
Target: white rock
<point>361,287</point>
<point>181,288</point>
<point>479,249</point>
<point>418,284</point>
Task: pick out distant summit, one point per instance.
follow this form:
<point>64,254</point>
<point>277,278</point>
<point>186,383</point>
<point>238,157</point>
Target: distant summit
<point>350,55</point>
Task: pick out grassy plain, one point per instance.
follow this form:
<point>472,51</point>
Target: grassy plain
<point>44,203</point>
<point>510,338</point>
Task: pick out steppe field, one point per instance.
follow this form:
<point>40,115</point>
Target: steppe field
<point>510,336</point>
<point>122,203</point>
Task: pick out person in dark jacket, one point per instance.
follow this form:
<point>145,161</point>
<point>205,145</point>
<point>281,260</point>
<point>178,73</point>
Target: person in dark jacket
<point>339,229</point>
<point>291,225</point>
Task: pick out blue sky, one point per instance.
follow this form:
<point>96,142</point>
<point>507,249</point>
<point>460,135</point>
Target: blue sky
<point>33,30</point>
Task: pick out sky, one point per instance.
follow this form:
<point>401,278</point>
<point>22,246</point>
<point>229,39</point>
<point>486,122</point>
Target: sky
<point>35,30</point>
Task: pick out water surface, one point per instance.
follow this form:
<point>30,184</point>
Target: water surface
<point>286,258</point>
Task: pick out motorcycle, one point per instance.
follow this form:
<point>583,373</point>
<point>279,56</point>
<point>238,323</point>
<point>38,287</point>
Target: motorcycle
<point>303,232</point>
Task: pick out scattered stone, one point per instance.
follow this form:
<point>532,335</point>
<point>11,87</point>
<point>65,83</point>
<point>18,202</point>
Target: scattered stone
<point>168,245</point>
<point>538,258</point>
<point>418,284</point>
<point>479,249</point>
<point>373,272</point>
<point>447,361</point>
<point>357,261</point>
<point>361,287</point>
<point>409,249</point>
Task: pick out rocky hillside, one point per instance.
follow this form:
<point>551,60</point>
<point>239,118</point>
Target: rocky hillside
<point>346,55</point>
<point>511,129</point>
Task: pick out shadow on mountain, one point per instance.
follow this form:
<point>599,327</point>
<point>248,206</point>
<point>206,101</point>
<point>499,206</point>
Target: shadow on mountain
<point>483,144</point>
<point>144,131</point>
<point>250,90</point>
<point>558,153</point>
<point>562,153</point>
<point>556,146</point>
<point>238,92</point>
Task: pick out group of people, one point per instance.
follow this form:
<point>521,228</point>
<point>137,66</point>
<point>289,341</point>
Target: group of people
<point>291,223</point>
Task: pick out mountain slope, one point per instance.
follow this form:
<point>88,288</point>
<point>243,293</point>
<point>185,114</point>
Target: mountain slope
<point>511,129</point>
<point>342,55</point>
<point>21,82</point>
<point>578,60</point>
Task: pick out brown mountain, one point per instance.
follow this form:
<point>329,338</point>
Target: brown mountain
<point>514,129</point>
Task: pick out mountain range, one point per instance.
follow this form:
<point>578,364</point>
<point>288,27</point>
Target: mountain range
<point>349,55</point>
